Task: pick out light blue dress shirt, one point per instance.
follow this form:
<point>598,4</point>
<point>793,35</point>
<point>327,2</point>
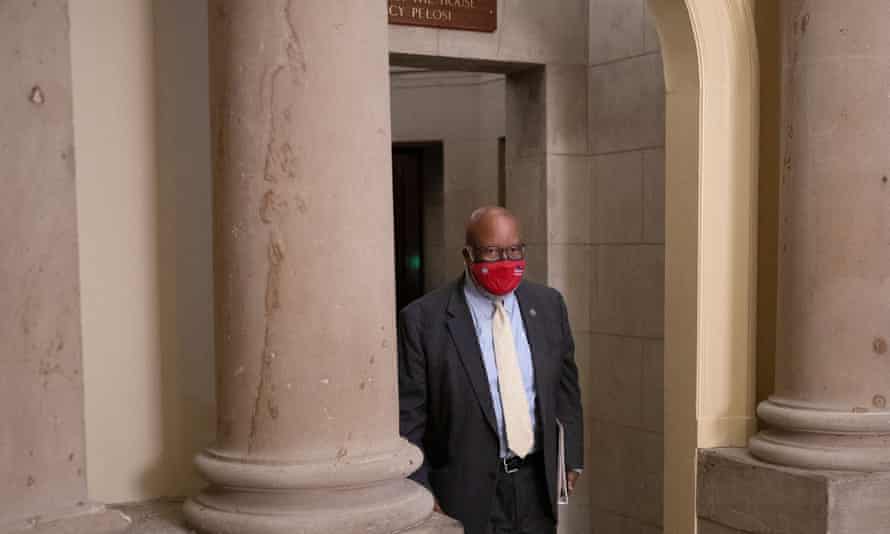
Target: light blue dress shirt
<point>482,310</point>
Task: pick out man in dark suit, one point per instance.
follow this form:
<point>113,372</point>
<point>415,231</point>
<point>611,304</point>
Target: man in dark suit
<point>486,368</point>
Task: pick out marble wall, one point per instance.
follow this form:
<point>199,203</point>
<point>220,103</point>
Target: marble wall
<point>626,258</point>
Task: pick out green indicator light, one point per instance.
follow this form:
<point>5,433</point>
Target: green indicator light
<point>413,262</point>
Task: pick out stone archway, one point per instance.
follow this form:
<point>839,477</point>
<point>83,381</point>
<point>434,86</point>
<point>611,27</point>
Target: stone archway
<point>711,80</point>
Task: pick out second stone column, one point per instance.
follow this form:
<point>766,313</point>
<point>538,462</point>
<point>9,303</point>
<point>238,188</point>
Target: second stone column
<point>307,436</point>
<point>833,365</point>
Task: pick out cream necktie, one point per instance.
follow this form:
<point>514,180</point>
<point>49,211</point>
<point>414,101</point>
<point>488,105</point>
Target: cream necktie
<point>517,420</point>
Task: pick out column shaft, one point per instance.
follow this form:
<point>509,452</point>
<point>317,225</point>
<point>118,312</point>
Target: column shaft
<point>304,283</point>
<point>833,365</point>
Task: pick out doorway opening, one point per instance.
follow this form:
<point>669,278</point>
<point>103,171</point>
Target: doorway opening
<point>448,130</point>
<point>416,174</point>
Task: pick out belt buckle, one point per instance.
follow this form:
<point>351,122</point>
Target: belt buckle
<point>507,466</point>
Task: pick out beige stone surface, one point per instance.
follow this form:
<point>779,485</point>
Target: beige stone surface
<point>536,263</point>
<point>568,205</point>
<point>709,527</point>
<point>568,271</point>
<point>437,524</point>
<point>441,105</point>
<point>42,455</point>
<point>97,520</point>
<point>471,164</point>
<point>741,492</point>
<point>185,243</point>
<point>534,31</point>
<point>626,104</point>
<point>650,34</point>
<point>413,40</point>
<point>616,197</point>
<point>616,30</point>
<point>272,200</point>
<point>733,489</point>
<point>584,361</point>
<point>413,112</point>
<point>434,214</point>
<point>165,516</point>
<point>527,196</point>
<point>682,392</point>
<point>605,522</point>
<point>628,295</point>
<point>459,203</point>
<point>566,103</point>
<point>616,365</point>
<point>626,464</point>
<point>127,270</point>
<point>526,164</point>
<point>625,111</point>
<point>492,106</point>
<point>526,114</point>
<point>160,516</point>
<point>574,517</point>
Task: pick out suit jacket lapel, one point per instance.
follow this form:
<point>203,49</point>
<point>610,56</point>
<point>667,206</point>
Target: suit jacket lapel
<point>460,325</point>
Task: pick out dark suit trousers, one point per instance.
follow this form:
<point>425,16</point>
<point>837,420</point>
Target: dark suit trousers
<point>521,504</point>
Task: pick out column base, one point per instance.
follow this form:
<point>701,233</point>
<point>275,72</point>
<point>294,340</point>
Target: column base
<point>383,508</point>
<point>811,437</point>
<point>367,495</point>
<point>738,494</point>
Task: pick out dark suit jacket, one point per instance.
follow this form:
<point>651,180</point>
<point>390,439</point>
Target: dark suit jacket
<point>445,403</point>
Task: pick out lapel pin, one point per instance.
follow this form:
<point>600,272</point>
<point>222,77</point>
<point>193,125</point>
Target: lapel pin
<point>532,312</point>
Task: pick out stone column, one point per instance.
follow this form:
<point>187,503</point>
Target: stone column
<point>830,409</point>
<point>307,435</point>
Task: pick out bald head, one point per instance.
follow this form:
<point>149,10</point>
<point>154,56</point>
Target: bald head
<point>492,226</point>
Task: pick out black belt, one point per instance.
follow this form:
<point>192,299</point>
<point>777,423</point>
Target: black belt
<point>515,463</point>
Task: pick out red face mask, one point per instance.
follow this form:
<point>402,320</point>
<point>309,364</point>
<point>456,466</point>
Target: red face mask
<point>498,277</point>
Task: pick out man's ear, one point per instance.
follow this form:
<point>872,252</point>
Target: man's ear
<point>466,254</point>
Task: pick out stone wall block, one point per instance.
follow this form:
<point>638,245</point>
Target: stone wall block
<point>568,205</point>
<point>566,101</point>
<point>628,292</point>
<point>616,30</point>
<point>568,272</point>
<point>626,104</point>
<point>616,364</point>
<point>738,493</point>
<point>616,201</point>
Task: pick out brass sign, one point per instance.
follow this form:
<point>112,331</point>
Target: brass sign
<point>474,15</point>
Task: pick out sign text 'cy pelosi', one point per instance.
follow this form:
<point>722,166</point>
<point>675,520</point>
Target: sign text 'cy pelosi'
<point>475,15</point>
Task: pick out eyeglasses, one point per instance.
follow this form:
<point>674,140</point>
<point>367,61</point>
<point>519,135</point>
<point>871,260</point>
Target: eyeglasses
<point>513,252</point>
